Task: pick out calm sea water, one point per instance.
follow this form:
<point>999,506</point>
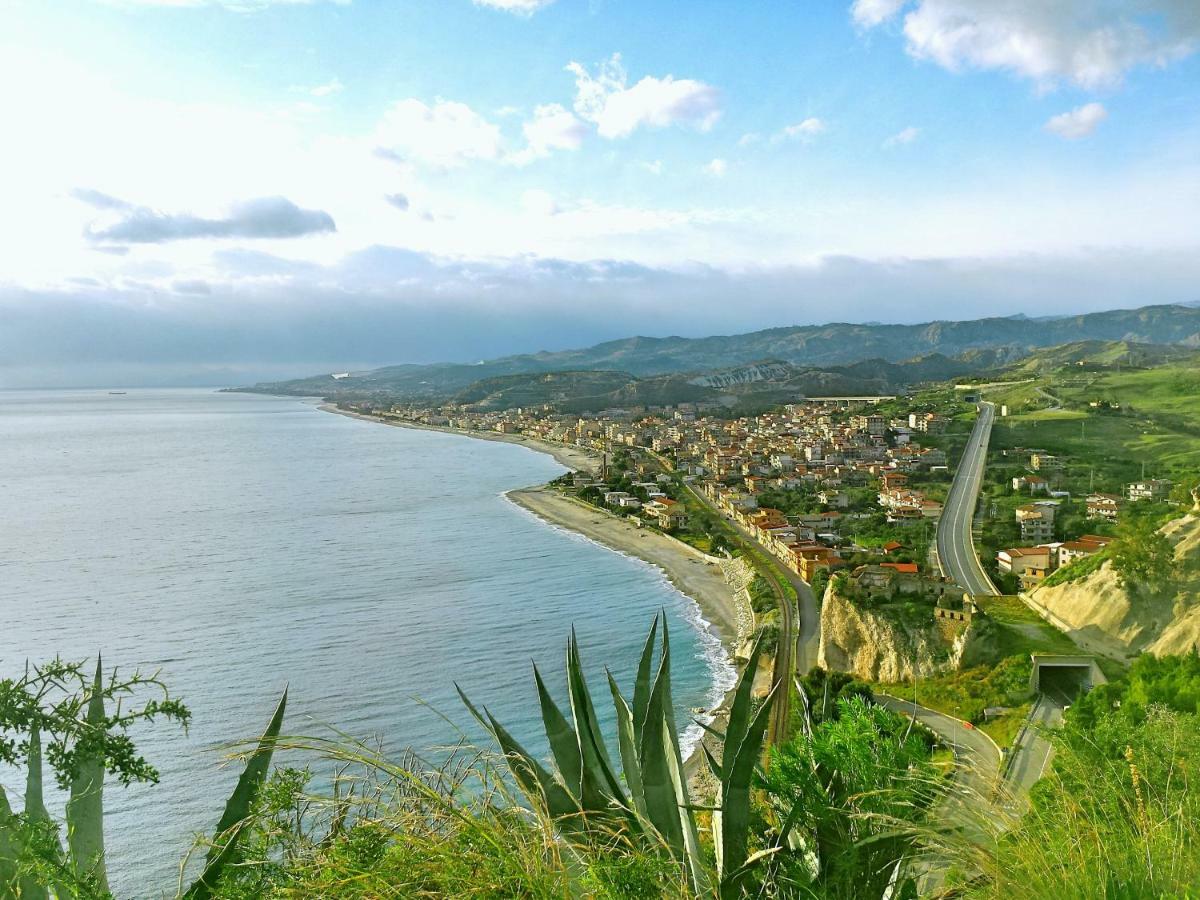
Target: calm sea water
<point>242,543</point>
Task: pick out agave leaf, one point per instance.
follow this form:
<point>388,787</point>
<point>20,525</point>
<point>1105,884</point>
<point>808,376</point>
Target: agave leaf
<point>599,783</point>
<point>742,706</point>
<point>691,836</point>
<point>806,723</point>
<point>713,765</point>
<point>85,808</point>
<point>683,804</point>
<point>642,686</point>
<point>627,742</point>
<point>538,785</point>
<point>658,788</point>
<point>35,806</point>
<point>238,809</point>
<point>535,781</point>
<point>9,852</point>
<point>735,793</point>
<point>564,743</point>
<point>664,676</point>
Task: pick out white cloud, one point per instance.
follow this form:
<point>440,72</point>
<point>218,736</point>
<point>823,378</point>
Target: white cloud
<point>870,13</point>
<point>333,86</point>
<point>802,131</point>
<point>552,127</point>
<point>717,168</point>
<point>519,7</point>
<point>1092,43</point>
<point>904,136</point>
<point>749,139</point>
<point>1079,122</point>
<point>617,110</point>
<point>445,135</point>
<point>654,168</point>
<point>539,203</point>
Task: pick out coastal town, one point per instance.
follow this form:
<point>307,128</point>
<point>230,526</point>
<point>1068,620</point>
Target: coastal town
<point>823,486</point>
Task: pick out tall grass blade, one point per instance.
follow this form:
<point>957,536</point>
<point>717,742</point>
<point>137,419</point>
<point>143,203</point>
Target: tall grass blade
<point>238,809</point>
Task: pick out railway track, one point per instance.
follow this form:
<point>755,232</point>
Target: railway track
<point>779,729</point>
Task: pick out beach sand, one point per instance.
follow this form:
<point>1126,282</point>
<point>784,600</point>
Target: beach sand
<point>576,458</point>
<point>689,570</point>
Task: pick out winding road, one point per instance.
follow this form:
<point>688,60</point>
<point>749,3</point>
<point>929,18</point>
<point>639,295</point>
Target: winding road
<point>955,545</point>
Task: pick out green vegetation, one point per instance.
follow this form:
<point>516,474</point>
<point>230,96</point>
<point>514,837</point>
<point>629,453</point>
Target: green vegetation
<point>967,693</point>
<point>1077,570</point>
<point>842,789</point>
<point>1172,681</point>
<point>849,808</point>
<point>54,714</point>
<point>1142,556</point>
<point>1119,814</point>
<point>1111,420</point>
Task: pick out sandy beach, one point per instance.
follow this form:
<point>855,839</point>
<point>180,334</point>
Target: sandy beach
<point>576,458</point>
<point>689,570</point>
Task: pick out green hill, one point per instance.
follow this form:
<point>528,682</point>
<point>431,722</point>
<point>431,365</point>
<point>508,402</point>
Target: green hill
<point>958,348</point>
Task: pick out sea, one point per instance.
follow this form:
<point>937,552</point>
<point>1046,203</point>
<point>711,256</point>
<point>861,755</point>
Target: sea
<point>238,544</point>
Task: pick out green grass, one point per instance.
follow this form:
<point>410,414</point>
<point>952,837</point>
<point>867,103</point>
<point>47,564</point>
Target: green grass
<point>967,693</point>
<point>1077,570</point>
<point>1157,419</point>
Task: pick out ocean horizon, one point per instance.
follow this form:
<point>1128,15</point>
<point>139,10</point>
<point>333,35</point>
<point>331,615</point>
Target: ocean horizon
<point>241,542</point>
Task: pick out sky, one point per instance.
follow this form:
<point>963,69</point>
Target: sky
<point>222,191</point>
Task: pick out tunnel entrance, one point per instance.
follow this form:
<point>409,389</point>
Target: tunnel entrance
<point>1063,678</point>
<point>1064,683</point>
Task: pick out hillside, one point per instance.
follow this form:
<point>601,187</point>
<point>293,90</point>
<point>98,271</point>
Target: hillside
<point>1100,355</point>
<point>1122,409</point>
<point>742,389</point>
<point>1100,612</point>
<point>975,345</point>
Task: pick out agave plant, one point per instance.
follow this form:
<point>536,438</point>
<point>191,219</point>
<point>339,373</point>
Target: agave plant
<point>80,870</point>
<point>583,795</point>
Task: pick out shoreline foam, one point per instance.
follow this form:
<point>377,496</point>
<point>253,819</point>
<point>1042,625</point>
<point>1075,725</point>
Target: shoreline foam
<point>710,609</point>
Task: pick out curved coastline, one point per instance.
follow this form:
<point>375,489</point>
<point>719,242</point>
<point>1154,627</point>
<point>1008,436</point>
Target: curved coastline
<point>689,571</point>
<point>699,580</point>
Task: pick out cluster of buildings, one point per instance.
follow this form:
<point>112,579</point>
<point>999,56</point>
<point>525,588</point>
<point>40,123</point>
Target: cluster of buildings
<point>826,446</point>
<point>1032,565</point>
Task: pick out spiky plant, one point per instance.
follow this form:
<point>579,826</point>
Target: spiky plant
<point>584,797</point>
<point>88,742</point>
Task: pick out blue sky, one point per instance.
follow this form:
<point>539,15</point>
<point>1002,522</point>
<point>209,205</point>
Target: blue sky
<point>237,180</point>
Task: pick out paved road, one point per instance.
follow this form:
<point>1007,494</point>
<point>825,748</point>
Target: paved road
<point>977,755</point>
<point>955,545</point>
<point>1033,750</point>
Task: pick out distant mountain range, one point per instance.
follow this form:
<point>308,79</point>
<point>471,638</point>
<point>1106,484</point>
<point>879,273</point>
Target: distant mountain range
<point>834,359</point>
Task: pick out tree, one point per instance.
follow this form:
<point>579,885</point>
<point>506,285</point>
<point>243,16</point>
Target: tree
<point>1142,556</point>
